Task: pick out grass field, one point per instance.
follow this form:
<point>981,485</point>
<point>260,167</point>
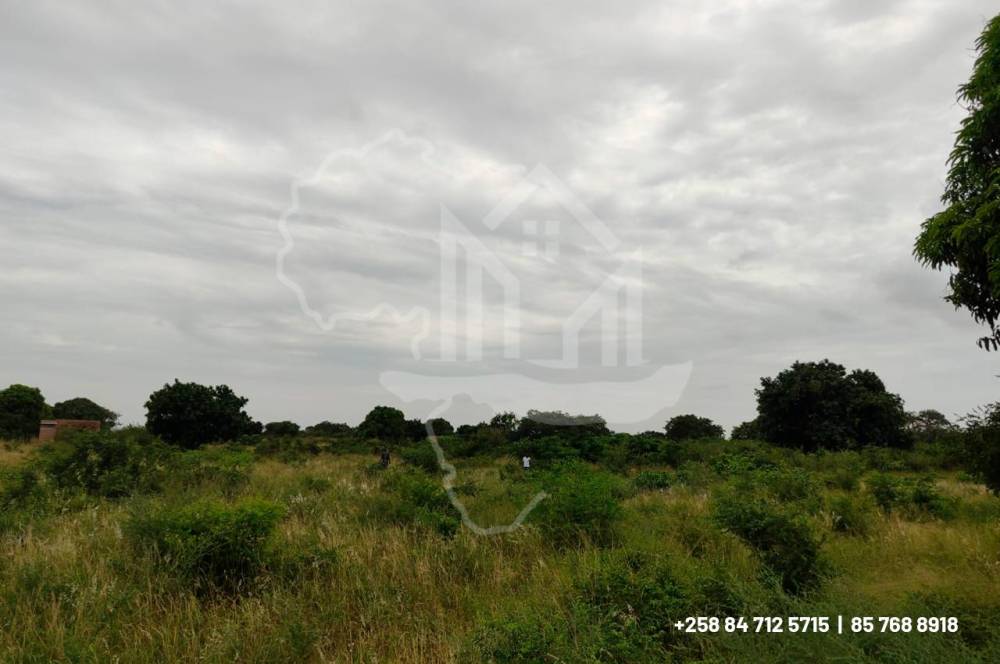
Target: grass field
<point>351,574</point>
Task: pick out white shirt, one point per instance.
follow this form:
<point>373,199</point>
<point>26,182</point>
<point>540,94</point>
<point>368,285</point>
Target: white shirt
<point>526,462</point>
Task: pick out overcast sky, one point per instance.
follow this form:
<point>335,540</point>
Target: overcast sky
<point>771,159</point>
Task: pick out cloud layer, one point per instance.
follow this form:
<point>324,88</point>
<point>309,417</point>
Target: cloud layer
<point>772,159</point>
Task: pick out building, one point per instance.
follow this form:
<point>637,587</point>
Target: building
<point>50,428</point>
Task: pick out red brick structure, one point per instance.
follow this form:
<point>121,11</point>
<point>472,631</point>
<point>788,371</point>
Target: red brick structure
<point>49,428</point>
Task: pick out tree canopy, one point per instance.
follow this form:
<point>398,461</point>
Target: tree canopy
<point>190,415</point>
<point>692,427</point>
<point>82,408</point>
<point>22,409</point>
<point>815,405</point>
<point>965,236</point>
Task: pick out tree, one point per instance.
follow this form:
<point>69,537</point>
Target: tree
<point>982,443</point>
<point>384,423</point>
<point>22,409</point>
<point>538,423</point>
<point>326,428</point>
<point>965,236</point>
<point>749,430</point>
<point>82,408</point>
<point>928,425</point>
<point>416,430</point>
<point>441,426</point>
<point>692,427</point>
<point>817,405</point>
<point>283,428</point>
<point>506,422</point>
<point>190,415</point>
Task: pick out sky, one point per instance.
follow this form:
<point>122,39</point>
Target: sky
<point>255,194</point>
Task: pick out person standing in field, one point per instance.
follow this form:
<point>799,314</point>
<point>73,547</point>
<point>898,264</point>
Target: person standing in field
<point>526,462</point>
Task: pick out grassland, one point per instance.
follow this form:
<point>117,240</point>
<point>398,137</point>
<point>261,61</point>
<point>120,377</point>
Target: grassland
<point>350,575</point>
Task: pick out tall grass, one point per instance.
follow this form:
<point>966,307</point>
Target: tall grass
<point>347,566</point>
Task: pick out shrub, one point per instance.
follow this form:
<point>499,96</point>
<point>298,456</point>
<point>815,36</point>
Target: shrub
<point>22,409</point>
<point>283,428</point>
<point>652,480</point>
<point>886,490</point>
<point>983,446</point>
<point>413,499</point>
<point>226,469</point>
<point>851,515</point>
<point>289,449</point>
<point>328,429</point>
<point>518,638</point>
<point>692,427</point>
<point>105,463</point>
<point>213,545</point>
<point>190,415</point>
<point>581,503</point>
<point>818,405</point>
<point>784,542</point>
<point>421,456</point>
<point>441,426</point>
<point>749,430</point>
<point>633,599</point>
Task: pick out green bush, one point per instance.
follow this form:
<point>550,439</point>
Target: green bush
<point>288,449</point>
<point>104,463</point>
<point>632,599</point>
<point>190,415</point>
<point>915,498</point>
<point>421,456</point>
<point>581,503</point>
<point>886,490</point>
<point>649,480</point>
<point>518,638</point>
<point>409,498</point>
<point>784,541</point>
<point>851,515</point>
<point>211,544</point>
<point>225,469</point>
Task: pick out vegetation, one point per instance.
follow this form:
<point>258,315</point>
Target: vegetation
<point>965,236</point>
<point>22,409</point>
<point>818,405</point>
<point>692,427</point>
<point>82,408</point>
<point>190,415</point>
<point>149,552</point>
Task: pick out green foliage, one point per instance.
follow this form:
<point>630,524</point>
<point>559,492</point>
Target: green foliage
<point>410,498</point>
<point>105,463</point>
<point>441,426</point>
<point>22,409</point>
<point>582,503</point>
<point>784,541</point>
<point>283,428</point>
<point>523,637</point>
<point>915,498</point>
<point>290,449</point>
<point>632,600</point>
<point>649,480</point>
<point>190,415</point>
<point>851,515</point>
<point>222,469</point>
<point>328,429</point>
<point>82,408</point>
<point>965,236</point>
<point>818,405</point>
<point>982,446</point>
<point>210,544</point>
<point>543,424</point>
<point>692,427</point>
<point>928,425</point>
<point>749,430</point>
<point>386,424</point>
<point>421,456</point>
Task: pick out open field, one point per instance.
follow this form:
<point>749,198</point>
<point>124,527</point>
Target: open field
<point>346,578</point>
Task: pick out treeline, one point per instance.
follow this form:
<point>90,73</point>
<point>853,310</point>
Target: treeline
<point>810,406</point>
